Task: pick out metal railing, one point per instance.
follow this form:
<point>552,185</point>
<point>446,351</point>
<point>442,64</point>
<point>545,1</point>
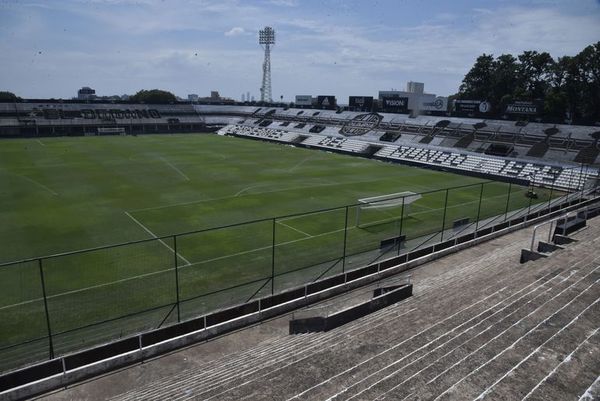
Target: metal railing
<point>61,303</point>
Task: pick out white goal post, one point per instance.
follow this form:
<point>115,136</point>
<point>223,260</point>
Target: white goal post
<point>382,202</point>
<point>111,131</point>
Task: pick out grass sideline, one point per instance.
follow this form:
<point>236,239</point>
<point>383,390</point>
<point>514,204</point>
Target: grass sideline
<point>64,194</point>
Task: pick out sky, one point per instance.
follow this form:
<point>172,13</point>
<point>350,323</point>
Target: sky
<point>51,48</point>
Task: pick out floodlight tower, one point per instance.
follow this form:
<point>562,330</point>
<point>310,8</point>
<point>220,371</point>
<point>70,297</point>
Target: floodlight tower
<point>266,38</point>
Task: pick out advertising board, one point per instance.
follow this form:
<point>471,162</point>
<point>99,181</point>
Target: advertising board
<point>360,103</point>
<point>394,104</point>
<point>527,108</point>
<point>438,104</point>
<point>326,102</point>
<point>472,106</point>
<point>303,100</point>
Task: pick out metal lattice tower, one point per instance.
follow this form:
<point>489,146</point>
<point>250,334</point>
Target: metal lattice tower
<point>266,38</point>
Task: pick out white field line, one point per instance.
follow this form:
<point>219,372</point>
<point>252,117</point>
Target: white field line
<point>189,264</point>
<point>40,142</point>
<point>396,372</point>
<point>449,389</point>
<point>300,163</point>
<point>257,193</point>
<point>536,350</point>
<point>175,168</point>
<point>30,301</point>
<point>436,339</point>
<point>266,247</point>
<point>154,235</point>
<point>335,344</point>
<point>238,193</point>
<point>567,359</point>
<point>588,395</point>
<point>293,228</point>
<point>37,183</point>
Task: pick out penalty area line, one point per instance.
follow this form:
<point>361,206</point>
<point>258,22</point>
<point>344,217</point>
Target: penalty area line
<point>293,228</point>
<point>175,168</point>
<point>31,180</point>
<point>156,237</point>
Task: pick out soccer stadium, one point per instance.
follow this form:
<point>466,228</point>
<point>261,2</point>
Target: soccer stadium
<point>341,204</point>
<point>404,246</point>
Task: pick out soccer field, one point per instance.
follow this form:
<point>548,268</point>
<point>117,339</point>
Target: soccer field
<point>65,194</point>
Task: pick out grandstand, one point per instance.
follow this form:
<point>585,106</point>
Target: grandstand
<point>475,327</point>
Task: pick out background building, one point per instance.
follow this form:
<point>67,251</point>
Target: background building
<point>86,93</point>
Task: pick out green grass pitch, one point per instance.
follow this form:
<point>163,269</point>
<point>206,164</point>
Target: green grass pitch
<point>65,194</point>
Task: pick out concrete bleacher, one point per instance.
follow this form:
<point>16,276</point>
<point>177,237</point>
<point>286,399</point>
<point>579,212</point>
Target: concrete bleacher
<point>538,173</point>
<point>259,132</point>
<point>476,327</point>
<point>336,143</point>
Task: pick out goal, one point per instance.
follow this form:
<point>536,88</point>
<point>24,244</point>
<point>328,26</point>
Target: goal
<point>384,208</point>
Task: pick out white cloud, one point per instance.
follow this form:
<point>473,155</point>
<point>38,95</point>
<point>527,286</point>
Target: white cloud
<point>284,3</point>
<point>235,31</point>
<point>133,44</point>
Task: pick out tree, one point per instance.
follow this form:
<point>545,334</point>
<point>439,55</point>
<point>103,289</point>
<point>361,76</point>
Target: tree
<point>534,72</point>
<point>477,84</point>
<point>153,96</point>
<point>566,86</point>
<point>504,83</point>
<point>6,96</point>
<point>555,105</point>
<point>569,85</point>
<point>588,68</point>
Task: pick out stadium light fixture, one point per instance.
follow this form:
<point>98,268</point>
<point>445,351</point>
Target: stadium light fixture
<point>266,38</point>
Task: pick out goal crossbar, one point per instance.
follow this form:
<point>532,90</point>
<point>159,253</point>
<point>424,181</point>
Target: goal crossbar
<point>403,199</point>
<point>389,200</point>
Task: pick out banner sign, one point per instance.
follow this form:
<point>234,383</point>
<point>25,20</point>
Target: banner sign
<point>103,114</point>
<point>438,104</point>
<point>364,103</point>
<point>472,106</point>
<point>326,102</point>
<point>523,108</point>
<point>303,100</point>
<point>394,104</point>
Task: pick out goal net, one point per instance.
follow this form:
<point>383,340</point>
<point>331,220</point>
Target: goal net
<point>384,209</point>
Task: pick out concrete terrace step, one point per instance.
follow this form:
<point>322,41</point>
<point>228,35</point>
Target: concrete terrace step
<point>458,277</point>
<point>467,311</point>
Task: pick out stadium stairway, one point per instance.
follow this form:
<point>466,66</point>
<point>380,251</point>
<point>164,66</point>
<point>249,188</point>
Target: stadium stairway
<point>479,325</point>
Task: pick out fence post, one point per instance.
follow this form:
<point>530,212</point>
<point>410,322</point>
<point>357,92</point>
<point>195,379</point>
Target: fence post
<point>345,241</point>
<point>176,277</point>
<point>479,208</point>
<point>507,201</point>
<point>570,182</point>
<point>581,184</point>
<point>401,224</point>
<point>550,196</point>
<point>50,344</point>
<point>273,260</point>
<point>444,218</point>
<point>529,207</point>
